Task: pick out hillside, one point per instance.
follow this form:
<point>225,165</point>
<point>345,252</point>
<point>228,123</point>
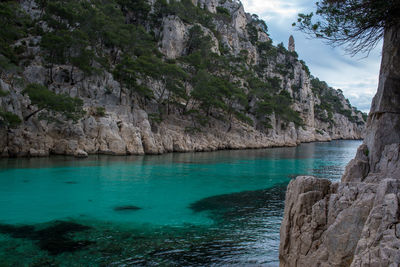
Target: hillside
<point>134,77</point>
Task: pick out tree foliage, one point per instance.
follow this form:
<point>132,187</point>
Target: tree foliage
<point>331,102</point>
<point>280,104</point>
<point>116,36</point>
<point>359,24</point>
<point>138,9</point>
<point>44,99</point>
<point>185,10</point>
<point>13,26</point>
<point>96,25</point>
<point>209,90</point>
<point>9,119</point>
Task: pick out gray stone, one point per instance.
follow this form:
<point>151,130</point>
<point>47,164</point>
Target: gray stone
<point>356,224</point>
<point>291,45</point>
<point>174,37</point>
<point>80,154</point>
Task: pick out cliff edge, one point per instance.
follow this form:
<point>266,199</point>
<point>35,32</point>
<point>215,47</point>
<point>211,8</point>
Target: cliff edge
<point>153,77</point>
<point>355,222</point>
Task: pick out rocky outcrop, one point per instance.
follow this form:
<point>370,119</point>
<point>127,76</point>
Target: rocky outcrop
<point>210,5</point>
<point>291,45</point>
<point>355,222</point>
<point>341,224</point>
<point>174,37</point>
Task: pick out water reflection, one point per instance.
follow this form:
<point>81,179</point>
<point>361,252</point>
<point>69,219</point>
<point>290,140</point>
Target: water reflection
<point>332,150</point>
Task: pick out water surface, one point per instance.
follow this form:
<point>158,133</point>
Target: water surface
<point>190,209</point>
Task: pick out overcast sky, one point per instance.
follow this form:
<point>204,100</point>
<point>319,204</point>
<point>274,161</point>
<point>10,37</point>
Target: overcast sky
<point>357,76</point>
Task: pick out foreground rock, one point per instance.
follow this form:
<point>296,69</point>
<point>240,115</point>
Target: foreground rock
<point>341,224</point>
<point>355,222</point>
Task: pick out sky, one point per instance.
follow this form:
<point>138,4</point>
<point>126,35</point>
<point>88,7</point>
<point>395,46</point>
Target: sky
<point>356,75</point>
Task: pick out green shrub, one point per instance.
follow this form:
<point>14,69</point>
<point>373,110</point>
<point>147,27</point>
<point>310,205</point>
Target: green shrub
<point>222,10</point>
<point>242,117</point>
<point>253,33</point>
<point>100,112</point>
<point>365,116</point>
<point>331,102</point>
<point>305,67</point>
<point>192,130</point>
<point>155,118</point>
<point>3,93</point>
<point>260,23</point>
<point>44,99</point>
<point>139,9</point>
<point>185,10</point>
<point>9,119</point>
<point>14,25</point>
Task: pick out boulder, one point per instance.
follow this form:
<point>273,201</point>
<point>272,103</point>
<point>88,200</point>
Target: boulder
<point>79,153</point>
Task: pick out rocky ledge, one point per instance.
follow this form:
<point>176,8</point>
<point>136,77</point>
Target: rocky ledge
<point>355,222</point>
<point>342,224</point>
<point>124,132</point>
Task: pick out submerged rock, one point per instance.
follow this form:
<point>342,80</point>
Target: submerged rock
<point>241,204</point>
<point>55,239</point>
<point>126,208</point>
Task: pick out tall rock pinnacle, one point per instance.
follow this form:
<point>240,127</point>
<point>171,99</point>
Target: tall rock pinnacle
<point>291,46</point>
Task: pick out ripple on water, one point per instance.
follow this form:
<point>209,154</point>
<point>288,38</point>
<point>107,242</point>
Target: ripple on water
<point>224,243</point>
<point>221,208</point>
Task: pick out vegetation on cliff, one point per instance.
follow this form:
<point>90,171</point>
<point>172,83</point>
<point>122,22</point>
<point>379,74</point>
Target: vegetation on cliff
<point>122,37</point>
<point>44,99</point>
<point>331,103</point>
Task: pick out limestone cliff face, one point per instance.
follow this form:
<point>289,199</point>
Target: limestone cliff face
<point>128,127</point>
<point>355,222</point>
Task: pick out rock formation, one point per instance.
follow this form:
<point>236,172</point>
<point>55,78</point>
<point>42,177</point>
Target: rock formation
<point>291,45</point>
<point>130,127</point>
<point>355,222</point>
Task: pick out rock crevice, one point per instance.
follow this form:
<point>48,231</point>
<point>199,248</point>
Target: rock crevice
<point>362,228</point>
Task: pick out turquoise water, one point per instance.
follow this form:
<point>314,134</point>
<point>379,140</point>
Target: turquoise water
<point>190,209</point>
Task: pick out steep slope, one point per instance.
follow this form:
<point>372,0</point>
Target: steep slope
<point>155,77</point>
<point>355,222</point>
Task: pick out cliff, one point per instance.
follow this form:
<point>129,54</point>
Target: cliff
<point>156,77</point>
<point>355,222</point>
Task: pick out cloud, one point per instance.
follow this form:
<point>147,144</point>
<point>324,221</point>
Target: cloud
<point>362,102</point>
<point>356,76</point>
<point>274,9</point>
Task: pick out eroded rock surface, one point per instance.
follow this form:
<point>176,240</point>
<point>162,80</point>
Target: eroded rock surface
<point>355,222</point>
<point>130,127</point>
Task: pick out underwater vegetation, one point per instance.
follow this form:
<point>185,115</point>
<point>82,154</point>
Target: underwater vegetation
<point>230,206</point>
<point>55,239</point>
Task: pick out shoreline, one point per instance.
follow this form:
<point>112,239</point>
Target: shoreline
<point>170,152</point>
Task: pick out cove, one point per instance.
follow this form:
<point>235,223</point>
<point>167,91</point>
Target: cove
<point>192,209</point>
